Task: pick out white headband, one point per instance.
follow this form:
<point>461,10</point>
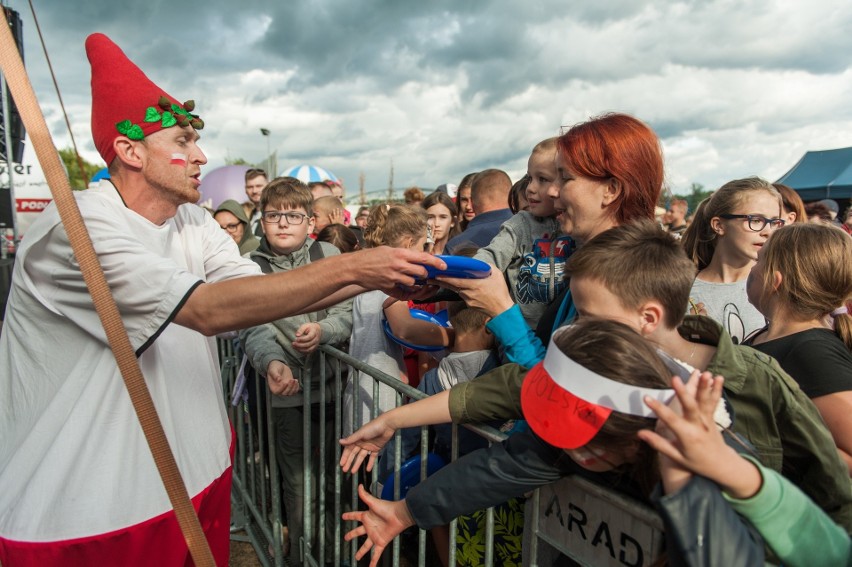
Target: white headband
<point>599,390</point>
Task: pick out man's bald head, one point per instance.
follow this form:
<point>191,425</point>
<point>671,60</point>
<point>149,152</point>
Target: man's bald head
<point>490,190</point>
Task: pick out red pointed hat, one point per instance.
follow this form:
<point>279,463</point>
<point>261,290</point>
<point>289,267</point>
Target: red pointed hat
<point>125,102</point>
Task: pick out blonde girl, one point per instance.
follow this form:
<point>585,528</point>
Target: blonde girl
<point>802,283</point>
<point>398,226</point>
<point>729,229</point>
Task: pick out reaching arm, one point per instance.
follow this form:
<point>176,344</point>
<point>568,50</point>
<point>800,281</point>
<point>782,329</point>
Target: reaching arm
<point>496,395</point>
<point>369,439</point>
<point>243,302</point>
<point>480,479</point>
<point>486,478</point>
<point>414,330</point>
<point>796,529</point>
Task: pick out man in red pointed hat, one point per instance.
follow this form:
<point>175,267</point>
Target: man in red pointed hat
<point>78,484</point>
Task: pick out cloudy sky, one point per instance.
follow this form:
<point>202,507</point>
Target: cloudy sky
<point>733,88</point>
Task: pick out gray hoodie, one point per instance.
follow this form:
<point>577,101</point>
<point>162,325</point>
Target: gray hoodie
<point>531,251</point>
<point>273,341</point>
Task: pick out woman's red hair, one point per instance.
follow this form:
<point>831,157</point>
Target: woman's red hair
<point>620,147</point>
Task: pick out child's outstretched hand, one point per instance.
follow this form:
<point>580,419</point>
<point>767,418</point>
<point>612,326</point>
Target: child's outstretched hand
<point>686,436</point>
<point>365,443</point>
<point>381,522</point>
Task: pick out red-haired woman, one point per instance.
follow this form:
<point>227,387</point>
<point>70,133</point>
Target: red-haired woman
<point>609,171</point>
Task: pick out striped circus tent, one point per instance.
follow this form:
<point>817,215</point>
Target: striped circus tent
<point>310,174</point>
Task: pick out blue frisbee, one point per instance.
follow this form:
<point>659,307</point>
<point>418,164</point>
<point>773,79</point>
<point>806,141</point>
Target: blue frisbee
<point>460,267</point>
<point>423,316</point>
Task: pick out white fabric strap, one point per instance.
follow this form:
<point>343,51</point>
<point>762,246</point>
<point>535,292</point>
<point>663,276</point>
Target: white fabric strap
<point>599,390</point>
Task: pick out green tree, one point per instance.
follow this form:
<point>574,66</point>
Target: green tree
<point>69,160</point>
<point>237,161</point>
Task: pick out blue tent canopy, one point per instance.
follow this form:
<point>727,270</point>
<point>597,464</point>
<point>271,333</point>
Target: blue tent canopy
<point>824,174</point>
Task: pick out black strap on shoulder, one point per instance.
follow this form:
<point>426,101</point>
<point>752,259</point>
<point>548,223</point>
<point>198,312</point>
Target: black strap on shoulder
<point>264,264</point>
<point>315,251</point>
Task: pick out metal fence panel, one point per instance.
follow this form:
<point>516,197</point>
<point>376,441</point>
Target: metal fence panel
<point>590,524</point>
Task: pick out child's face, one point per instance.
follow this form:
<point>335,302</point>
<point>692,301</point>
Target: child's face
<point>601,460</point>
<point>735,237</point>
<point>541,168</point>
<point>592,299</point>
<point>441,221</point>
<point>283,236</point>
<point>465,205</point>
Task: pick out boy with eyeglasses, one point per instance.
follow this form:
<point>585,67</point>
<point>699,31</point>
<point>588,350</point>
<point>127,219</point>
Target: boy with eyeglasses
<point>285,350</point>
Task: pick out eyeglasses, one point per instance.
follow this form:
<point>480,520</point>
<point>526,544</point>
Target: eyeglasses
<point>756,223</point>
<point>272,217</point>
<point>255,171</point>
<point>232,228</point>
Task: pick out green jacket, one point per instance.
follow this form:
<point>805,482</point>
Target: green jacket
<point>770,411</point>
<point>274,341</point>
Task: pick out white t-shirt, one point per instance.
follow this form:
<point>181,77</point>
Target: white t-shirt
<point>727,303</point>
<point>370,345</point>
<point>73,459</point>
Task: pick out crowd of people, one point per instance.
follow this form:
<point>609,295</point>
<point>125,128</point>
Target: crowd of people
<point>747,297</point>
<point>700,361</point>
<point>579,252</point>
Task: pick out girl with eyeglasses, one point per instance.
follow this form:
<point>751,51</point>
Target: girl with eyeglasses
<point>729,229</point>
<point>802,282</point>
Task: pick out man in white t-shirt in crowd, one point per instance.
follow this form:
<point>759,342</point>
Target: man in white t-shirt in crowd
<point>78,484</point>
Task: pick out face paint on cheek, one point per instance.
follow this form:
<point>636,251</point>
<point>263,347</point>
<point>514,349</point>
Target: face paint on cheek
<point>178,159</point>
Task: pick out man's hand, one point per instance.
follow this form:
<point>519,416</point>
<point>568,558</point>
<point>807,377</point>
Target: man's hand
<point>280,379</point>
<point>382,522</point>
<point>308,338</point>
<point>364,443</point>
<point>392,269</point>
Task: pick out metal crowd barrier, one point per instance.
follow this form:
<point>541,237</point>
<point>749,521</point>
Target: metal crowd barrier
<point>574,517</point>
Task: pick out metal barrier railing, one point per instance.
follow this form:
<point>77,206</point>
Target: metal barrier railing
<point>590,524</point>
